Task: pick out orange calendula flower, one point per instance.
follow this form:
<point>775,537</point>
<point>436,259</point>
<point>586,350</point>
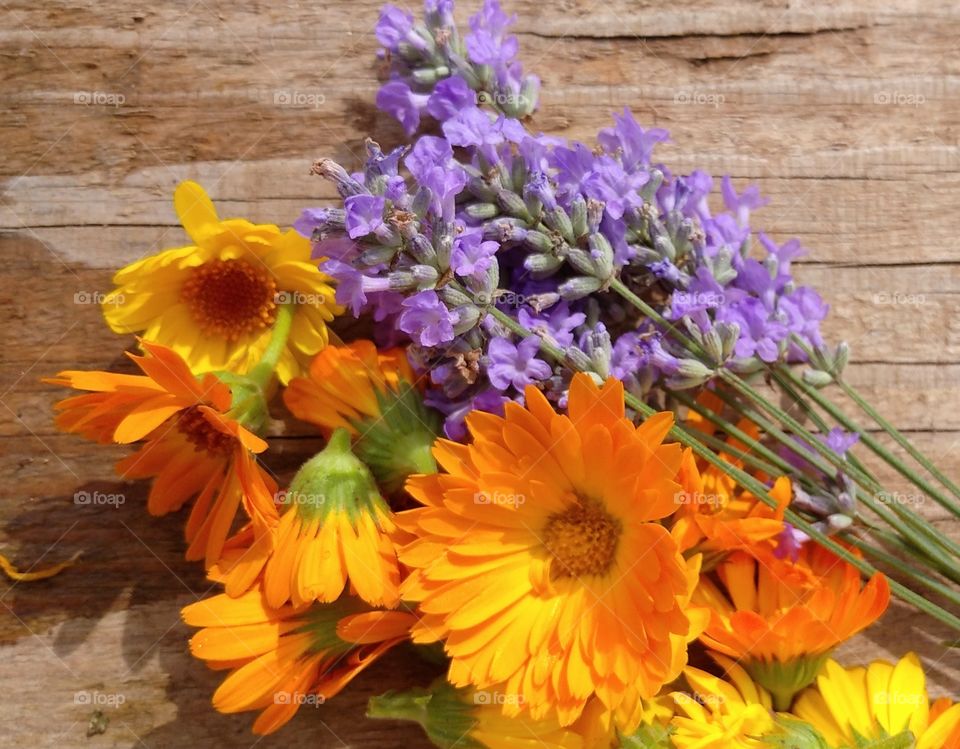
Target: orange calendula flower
<point>781,620</point>
<point>216,302</point>
<point>853,707</point>
<point>333,526</point>
<point>192,448</point>
<point>539,560</point>
<point>282,658</point>
<point>371,394</point>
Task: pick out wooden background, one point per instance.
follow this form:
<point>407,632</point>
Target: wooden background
<point>846,113</point>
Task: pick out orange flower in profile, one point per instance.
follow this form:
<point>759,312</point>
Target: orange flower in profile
<point>781,620</point>
<point>371,394</point>
<point>282,658</point>
<point>346,384</point>
<point>541,564</point>
<point>192,448</point>
<point>333,526</point>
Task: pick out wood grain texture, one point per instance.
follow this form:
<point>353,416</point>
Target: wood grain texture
<point>846,114</point>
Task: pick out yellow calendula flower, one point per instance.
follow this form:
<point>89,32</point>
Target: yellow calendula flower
<point>216,302</point>
<point>731,713</point>
<point>539,560</point>
<point>282,658</point>
<point>853,706</point>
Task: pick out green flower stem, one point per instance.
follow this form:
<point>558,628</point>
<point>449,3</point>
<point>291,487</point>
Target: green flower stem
<point>892,561</point>
<point>926,538</point>
<point>917,549</point>
<point>263,370</point>
<point>752,485</point>
<point>892,431</point>
<point>869,441</point>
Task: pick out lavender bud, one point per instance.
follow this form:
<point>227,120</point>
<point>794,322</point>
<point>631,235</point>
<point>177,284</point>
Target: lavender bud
<point>578,287</point>
<point>425,276</point>
<point>841,357</point>
<point>540,302</point>
<point>578,216</point>
<point>422,250</point>
<point>481,211</point>
<point>377,255</point>
<point>430,76</point>
<point>558,220</point>
<point>582,261</point>
<point>421,202</point>
<point>816,378</point>
<point>649,190</point>
<point>602,254</point>
<point>595,210</point>
<point>401,281</point>
<point>729,335</point>
<point>599,349</point>
<point>513,204</point>
<point>480,188</point>
<point>331,170</point>
<point>467,318</point>
<point>538,241</point>
<point>664,246</point>
<point>577,360</point>
<point>542,263</point>
<point>443,244</point>
<point>453,297</point>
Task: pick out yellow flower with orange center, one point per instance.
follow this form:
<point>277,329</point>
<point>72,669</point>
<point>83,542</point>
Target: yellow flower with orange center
<point>781,619</point>
<point>215,302</point>
<point>192,448</point>
<point>852,707</point>
<point>539,561</point>
<point>282,658</point>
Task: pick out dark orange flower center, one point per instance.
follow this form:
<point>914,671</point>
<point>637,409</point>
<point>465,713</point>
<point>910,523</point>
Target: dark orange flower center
<point>582,540</point>
<point>193,425</point>
<point>230,298</point>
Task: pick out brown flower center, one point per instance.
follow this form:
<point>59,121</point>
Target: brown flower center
<point>230,298</point>
<point>582,540</point>
<point>193,425</point>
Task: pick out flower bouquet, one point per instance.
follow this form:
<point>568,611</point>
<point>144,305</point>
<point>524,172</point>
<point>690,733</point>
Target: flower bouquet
<point>586,448</point>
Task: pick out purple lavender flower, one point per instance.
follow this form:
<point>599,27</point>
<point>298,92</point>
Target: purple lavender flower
<point>760,334</point>
<point>426,319</point>
<point>471,256</point>
<point>397,99</point>
<point>515,365</point>
<point>743,203</point>
<point>804,309</point>
<point>450,96</point>
<point>395,26</point>
<point>364,214</point>
<point>488,44</point>
<point>633,143</point>
<point>556,326</point>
